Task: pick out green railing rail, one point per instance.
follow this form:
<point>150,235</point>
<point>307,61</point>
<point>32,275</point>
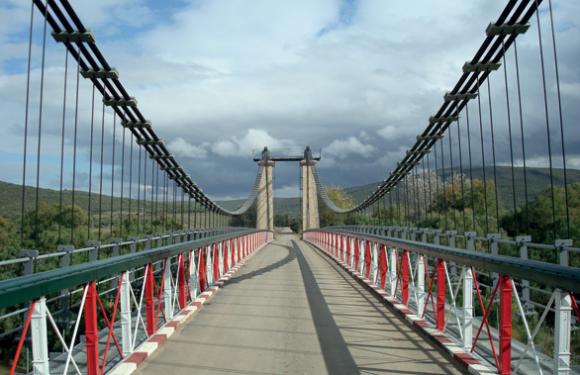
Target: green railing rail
<point>27,288</point>
<point>543,273</point>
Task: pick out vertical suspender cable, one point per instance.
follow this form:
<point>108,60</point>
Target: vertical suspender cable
<point>461,175</point>
<point>75,142</point>
<point>547,118</point>
<point>454,202</point>
<point>25,146</point>
<point>493,155</point>
<point>91,162</point>
<point>562,137</point>
<point>484,185</point>
<point>62,144</point>
<point>39,134</point>
<point>522,137</point>
<point>101,172</point>
<point>113,173</point>
<point>122,182</point>
<point>470,166</point>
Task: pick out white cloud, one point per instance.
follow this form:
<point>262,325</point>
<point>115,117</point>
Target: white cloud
<point>250,143</point>
<point>390,132</point>
<point>180,147</point>
<point>342,148</point>
<point>287,191</point>
<point>243,77</point>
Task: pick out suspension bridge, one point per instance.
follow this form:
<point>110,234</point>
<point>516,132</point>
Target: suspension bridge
<point>138,270</point>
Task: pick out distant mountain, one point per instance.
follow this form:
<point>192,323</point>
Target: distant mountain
<point>538,181</point>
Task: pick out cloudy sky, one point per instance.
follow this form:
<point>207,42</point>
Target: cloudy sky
<point>220,79</point>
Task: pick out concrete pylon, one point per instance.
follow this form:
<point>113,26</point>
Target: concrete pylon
<point>310,216</point>
<point>265,204</point>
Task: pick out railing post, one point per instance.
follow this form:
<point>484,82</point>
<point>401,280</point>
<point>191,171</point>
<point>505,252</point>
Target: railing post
<point>505,324</point>
<point>126,329</point>
<point>182,297</point>
<point>383,266</point>
<point>28,266</point>
<point>221,249</point>
<point>167,290</point>
<point>375,263</point>
<point>522,244</point>
<point>150,300</point>
<point>493,239</point>
<point>420,282</point>
<point>38,334</point>
<point>94,252</point>
<point>193,281</point>
<point>393,271</point>
<point>368,260</point>
<point>563,316</point>
<point>405,278</point>
<point>436,236</point>
<point>65,261</point>
<point>361,257</point>
<point>91,330</point>
<point>216,262</point>
<point>451,234</point>
<point>132,250</point>
<point>209,265</point>
<point>440,314</point>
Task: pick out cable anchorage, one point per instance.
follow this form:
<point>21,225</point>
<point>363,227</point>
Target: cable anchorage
<point>136,124</point>
<point>494,29</point>
<point>442,119</point>
<point>100,73</point>
<point>470,67</point>
<point>122,102</point>
<point>449,97</point>
<point>74,36</point>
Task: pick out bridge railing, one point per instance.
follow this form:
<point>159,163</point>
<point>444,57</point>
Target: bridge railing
<point>116,303</point>
<point>440,284</point>
<point>30,261</point>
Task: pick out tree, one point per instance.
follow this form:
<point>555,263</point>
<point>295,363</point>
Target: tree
<point>341,199</point>
<point>537,218</point>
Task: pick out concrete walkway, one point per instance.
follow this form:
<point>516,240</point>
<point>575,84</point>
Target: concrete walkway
<point>291,310</point>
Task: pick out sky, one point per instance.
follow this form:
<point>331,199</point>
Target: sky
<point>221,79</point>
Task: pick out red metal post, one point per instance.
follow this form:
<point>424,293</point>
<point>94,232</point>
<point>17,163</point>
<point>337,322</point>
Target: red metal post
<point>383,265</point>
<point>216,262</point>
<point>202,273</point>
<point>440,314</point>
<point>150,301</point>
<point>405,277</point>
<point>92,330</point>
<point>181,285</point>
<point>226,250</point>
<point>368,260</point>
<point>505,324</point>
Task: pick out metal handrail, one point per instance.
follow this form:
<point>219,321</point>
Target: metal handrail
<point>554,275</point>
<point>26,288</point>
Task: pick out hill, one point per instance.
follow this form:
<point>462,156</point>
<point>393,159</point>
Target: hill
<point>538,181</point>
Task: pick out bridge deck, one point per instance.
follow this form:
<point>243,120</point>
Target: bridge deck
<point>292,310</point>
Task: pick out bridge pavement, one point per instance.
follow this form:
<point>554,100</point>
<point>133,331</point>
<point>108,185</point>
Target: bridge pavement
<point>291,310</point>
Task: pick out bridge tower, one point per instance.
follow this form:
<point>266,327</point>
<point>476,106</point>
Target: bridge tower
<point>265,202</point>
<point>310,216</point>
